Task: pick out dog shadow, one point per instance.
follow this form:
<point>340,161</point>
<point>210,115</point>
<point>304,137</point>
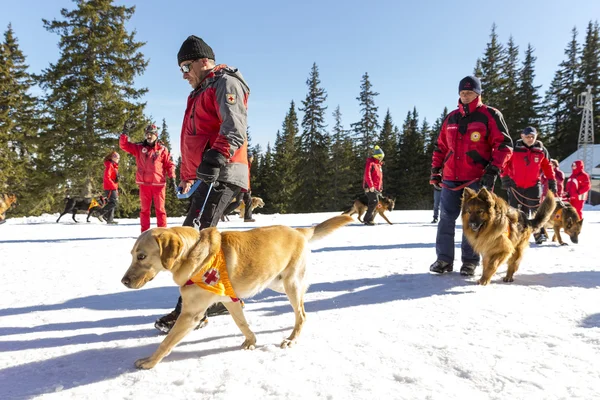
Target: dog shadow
<point>580,279</point>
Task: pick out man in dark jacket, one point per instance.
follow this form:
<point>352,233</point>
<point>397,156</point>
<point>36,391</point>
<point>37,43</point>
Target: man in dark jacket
<point>213,142</point>
<point>471,150</point>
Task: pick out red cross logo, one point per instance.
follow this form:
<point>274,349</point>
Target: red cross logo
<point>211,276</point>
<point>230,98</point>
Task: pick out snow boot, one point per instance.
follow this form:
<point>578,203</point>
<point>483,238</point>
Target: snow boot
<point>439,267</point>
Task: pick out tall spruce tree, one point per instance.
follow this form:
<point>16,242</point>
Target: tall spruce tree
<point>529,99</point>
<point>388,141</point>
<point>285,163</point>
<point>90,92</point>
<point>366,128</point>
<point>344,182</point>
<point>19,125</point>
<point>265,183</point>
<point>511,103</point>
<point>314,165</point>
<point>590,71</point>
<point>492,73</point>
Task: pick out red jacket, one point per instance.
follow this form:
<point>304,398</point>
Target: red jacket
<point>578,184</point>
<point>216,118</point>
<point>154,163</point>
<point>560,182</point>
<point>526,163</point>
<point>109,180</point>
<point>471,137</point>
<point>373,177</point>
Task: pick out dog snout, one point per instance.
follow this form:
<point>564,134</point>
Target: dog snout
<point>475,226</point>
<point>126,281</point>
<point>574,239</point>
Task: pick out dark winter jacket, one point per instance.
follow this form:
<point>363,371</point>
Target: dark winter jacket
<point>154,162</point>
<point>373,177</point>
<point>216,118</point>
<point>471,137</point>
<point>526,163</point>
<point>111,172</point>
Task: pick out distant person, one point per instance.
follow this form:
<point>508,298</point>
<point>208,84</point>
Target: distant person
<point>578,186</point>
<point>110,182</point>
<point>373,183</point>
<point>521,176</point>
<point>560,179</point>
<point>154,164</point>
<point>472,148</point>
<point>437,195</point>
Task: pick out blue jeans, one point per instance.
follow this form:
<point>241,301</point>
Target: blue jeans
<point>437,195</point>
<point>450,210</point>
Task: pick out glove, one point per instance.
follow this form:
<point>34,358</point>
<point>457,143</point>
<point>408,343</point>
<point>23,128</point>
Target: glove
<point>117,178</point>
<point>210,167</point>
<point>507,183</point>
<point>436,177</point>
<point>552,186</point>
<point>128,126</point>
<point>489,177</point>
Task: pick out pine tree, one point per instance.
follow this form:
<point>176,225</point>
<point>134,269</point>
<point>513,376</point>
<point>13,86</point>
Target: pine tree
<point>366,128</point>
<point>590,71</point>
<point>265,184</point>
<point>388,141</point>
<point>530,102</point>
<point>491,71</point>
<point>19,125</point>
<point>314,165</point>
<point>90,93</point>
<point>286,163</point>
<point>344,182</point>
<point>511,103</point>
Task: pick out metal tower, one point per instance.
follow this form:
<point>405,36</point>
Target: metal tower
<point>585,145</point>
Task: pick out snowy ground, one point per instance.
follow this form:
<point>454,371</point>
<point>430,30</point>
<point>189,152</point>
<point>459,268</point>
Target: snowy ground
<point>379,325</point>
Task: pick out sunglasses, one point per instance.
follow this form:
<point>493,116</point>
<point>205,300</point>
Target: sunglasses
<point>186,68</point>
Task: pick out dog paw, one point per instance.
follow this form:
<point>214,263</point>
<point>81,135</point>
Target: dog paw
<point>249,344</point>
<point>507,279</point>
<point>145,363</point>
<point>564,244</point>
<point>287,343</point>
<point>483,282</point>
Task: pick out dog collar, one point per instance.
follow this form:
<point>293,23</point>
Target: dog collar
<point>213,277</point>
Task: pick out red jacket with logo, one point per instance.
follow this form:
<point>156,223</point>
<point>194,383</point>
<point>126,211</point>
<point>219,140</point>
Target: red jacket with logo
<point>472,136</point>
<point>578,184</point>
<point>154,162</point>
<point>109,179</point>
<point>373,177</point>
<point>526,163</point>
<point>216,118</point>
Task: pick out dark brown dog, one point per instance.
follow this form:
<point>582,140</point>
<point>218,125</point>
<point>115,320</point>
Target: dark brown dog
<point>360,207</point>
<point>565,217</point>
<point>499,232</point>
<point>84,204</point>
<point>6,201</point>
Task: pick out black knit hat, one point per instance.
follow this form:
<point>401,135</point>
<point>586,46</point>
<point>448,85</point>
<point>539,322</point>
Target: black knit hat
<point>470,83</point>
<point>194,48</point>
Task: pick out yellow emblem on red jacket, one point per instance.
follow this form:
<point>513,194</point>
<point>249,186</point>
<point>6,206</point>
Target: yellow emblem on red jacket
<point>230,98</point>
<point>475,136</point>
<point>213,276</point>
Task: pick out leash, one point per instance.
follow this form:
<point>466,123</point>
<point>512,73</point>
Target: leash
<point>517,195</point>
<point>197,219</point>
<point>464,185</point>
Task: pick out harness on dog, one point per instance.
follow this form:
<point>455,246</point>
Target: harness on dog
<point>214,277</point>
<point>558,214</point>
<point>94,203</point>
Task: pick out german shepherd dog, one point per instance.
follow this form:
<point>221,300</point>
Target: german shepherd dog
<point>360,207</point>
<point>6,201</point>
<point>92,206</point>
<point>257,202</point>
<point>565,217</point>
<point>498,232</point>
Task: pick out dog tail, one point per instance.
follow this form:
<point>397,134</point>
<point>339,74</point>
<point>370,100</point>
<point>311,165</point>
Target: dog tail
<point>544,213</point>
<point>325,228</point>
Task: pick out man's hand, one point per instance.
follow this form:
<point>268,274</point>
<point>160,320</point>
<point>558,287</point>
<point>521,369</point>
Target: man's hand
<point>210,167</point>
<point>489,177</point>
<point>185,186</point>
<point>371,189</point>
<point>436,178</point>
<point>128,126</point>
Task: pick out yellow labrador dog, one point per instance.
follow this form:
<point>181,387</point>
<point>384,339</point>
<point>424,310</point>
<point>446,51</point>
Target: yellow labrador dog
<point>210,266</point>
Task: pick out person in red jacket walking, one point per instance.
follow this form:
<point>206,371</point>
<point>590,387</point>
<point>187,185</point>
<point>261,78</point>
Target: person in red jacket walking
<point>578,186</point>
<point>373,183</point>
<point>558,175</point>
<point>472,148</point>
<point>110,182</point>
<point>154,164</point>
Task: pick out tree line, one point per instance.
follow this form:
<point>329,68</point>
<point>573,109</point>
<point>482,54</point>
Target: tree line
<point>52,144</point>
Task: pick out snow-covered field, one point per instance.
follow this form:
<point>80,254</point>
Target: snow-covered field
<point>379,326</point>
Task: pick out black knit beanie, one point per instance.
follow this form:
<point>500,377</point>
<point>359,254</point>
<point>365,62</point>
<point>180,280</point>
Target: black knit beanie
<point>470,83</point>
<point>194,48</point>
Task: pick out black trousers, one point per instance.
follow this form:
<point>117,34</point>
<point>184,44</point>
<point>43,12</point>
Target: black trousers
<point>246,197</point>
<point>108,212</point>
<point>372,200</point>
<point>218,199</point>
<point>526,199</point>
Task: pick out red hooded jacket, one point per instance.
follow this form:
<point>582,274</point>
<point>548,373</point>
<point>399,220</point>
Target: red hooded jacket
<point>373,177</point>
<point>154,163</point>
<point>578,184</point>
<point>109,179</point>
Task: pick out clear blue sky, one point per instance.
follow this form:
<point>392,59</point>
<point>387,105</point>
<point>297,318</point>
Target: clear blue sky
<point>415,52</point>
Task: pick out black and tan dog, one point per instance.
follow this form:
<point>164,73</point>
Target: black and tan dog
<point>498,232</point>
<point>6,201</point>
<point>565,217</point>
<point>211,266</point>
<point>92,205</point>
<point>360,207</point>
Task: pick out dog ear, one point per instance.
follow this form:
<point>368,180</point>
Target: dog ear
<point>485,195</point>
<point>207,245</point>
<point>170,245</point>
<point>468,193</point>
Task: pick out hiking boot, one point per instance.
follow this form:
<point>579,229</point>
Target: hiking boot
<point>371,223</point>
<point>112,222</point>
<point>166,323</point>
<point>540,238</point>
<point>434,221</point>
<point>468,269</point>
<point>216,309</point>
<point>250,220</point>
<point>439,267</point>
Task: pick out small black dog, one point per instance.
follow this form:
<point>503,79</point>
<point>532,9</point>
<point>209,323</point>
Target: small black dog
<point>93,206</point>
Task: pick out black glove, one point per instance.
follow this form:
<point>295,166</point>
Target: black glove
<point>507,183</point>
<point>209,168</point>
<point>489,177</point>
<point>552,186</point>
<point>436,178</point>
<point>117,178</point>
<point>128,126</point>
